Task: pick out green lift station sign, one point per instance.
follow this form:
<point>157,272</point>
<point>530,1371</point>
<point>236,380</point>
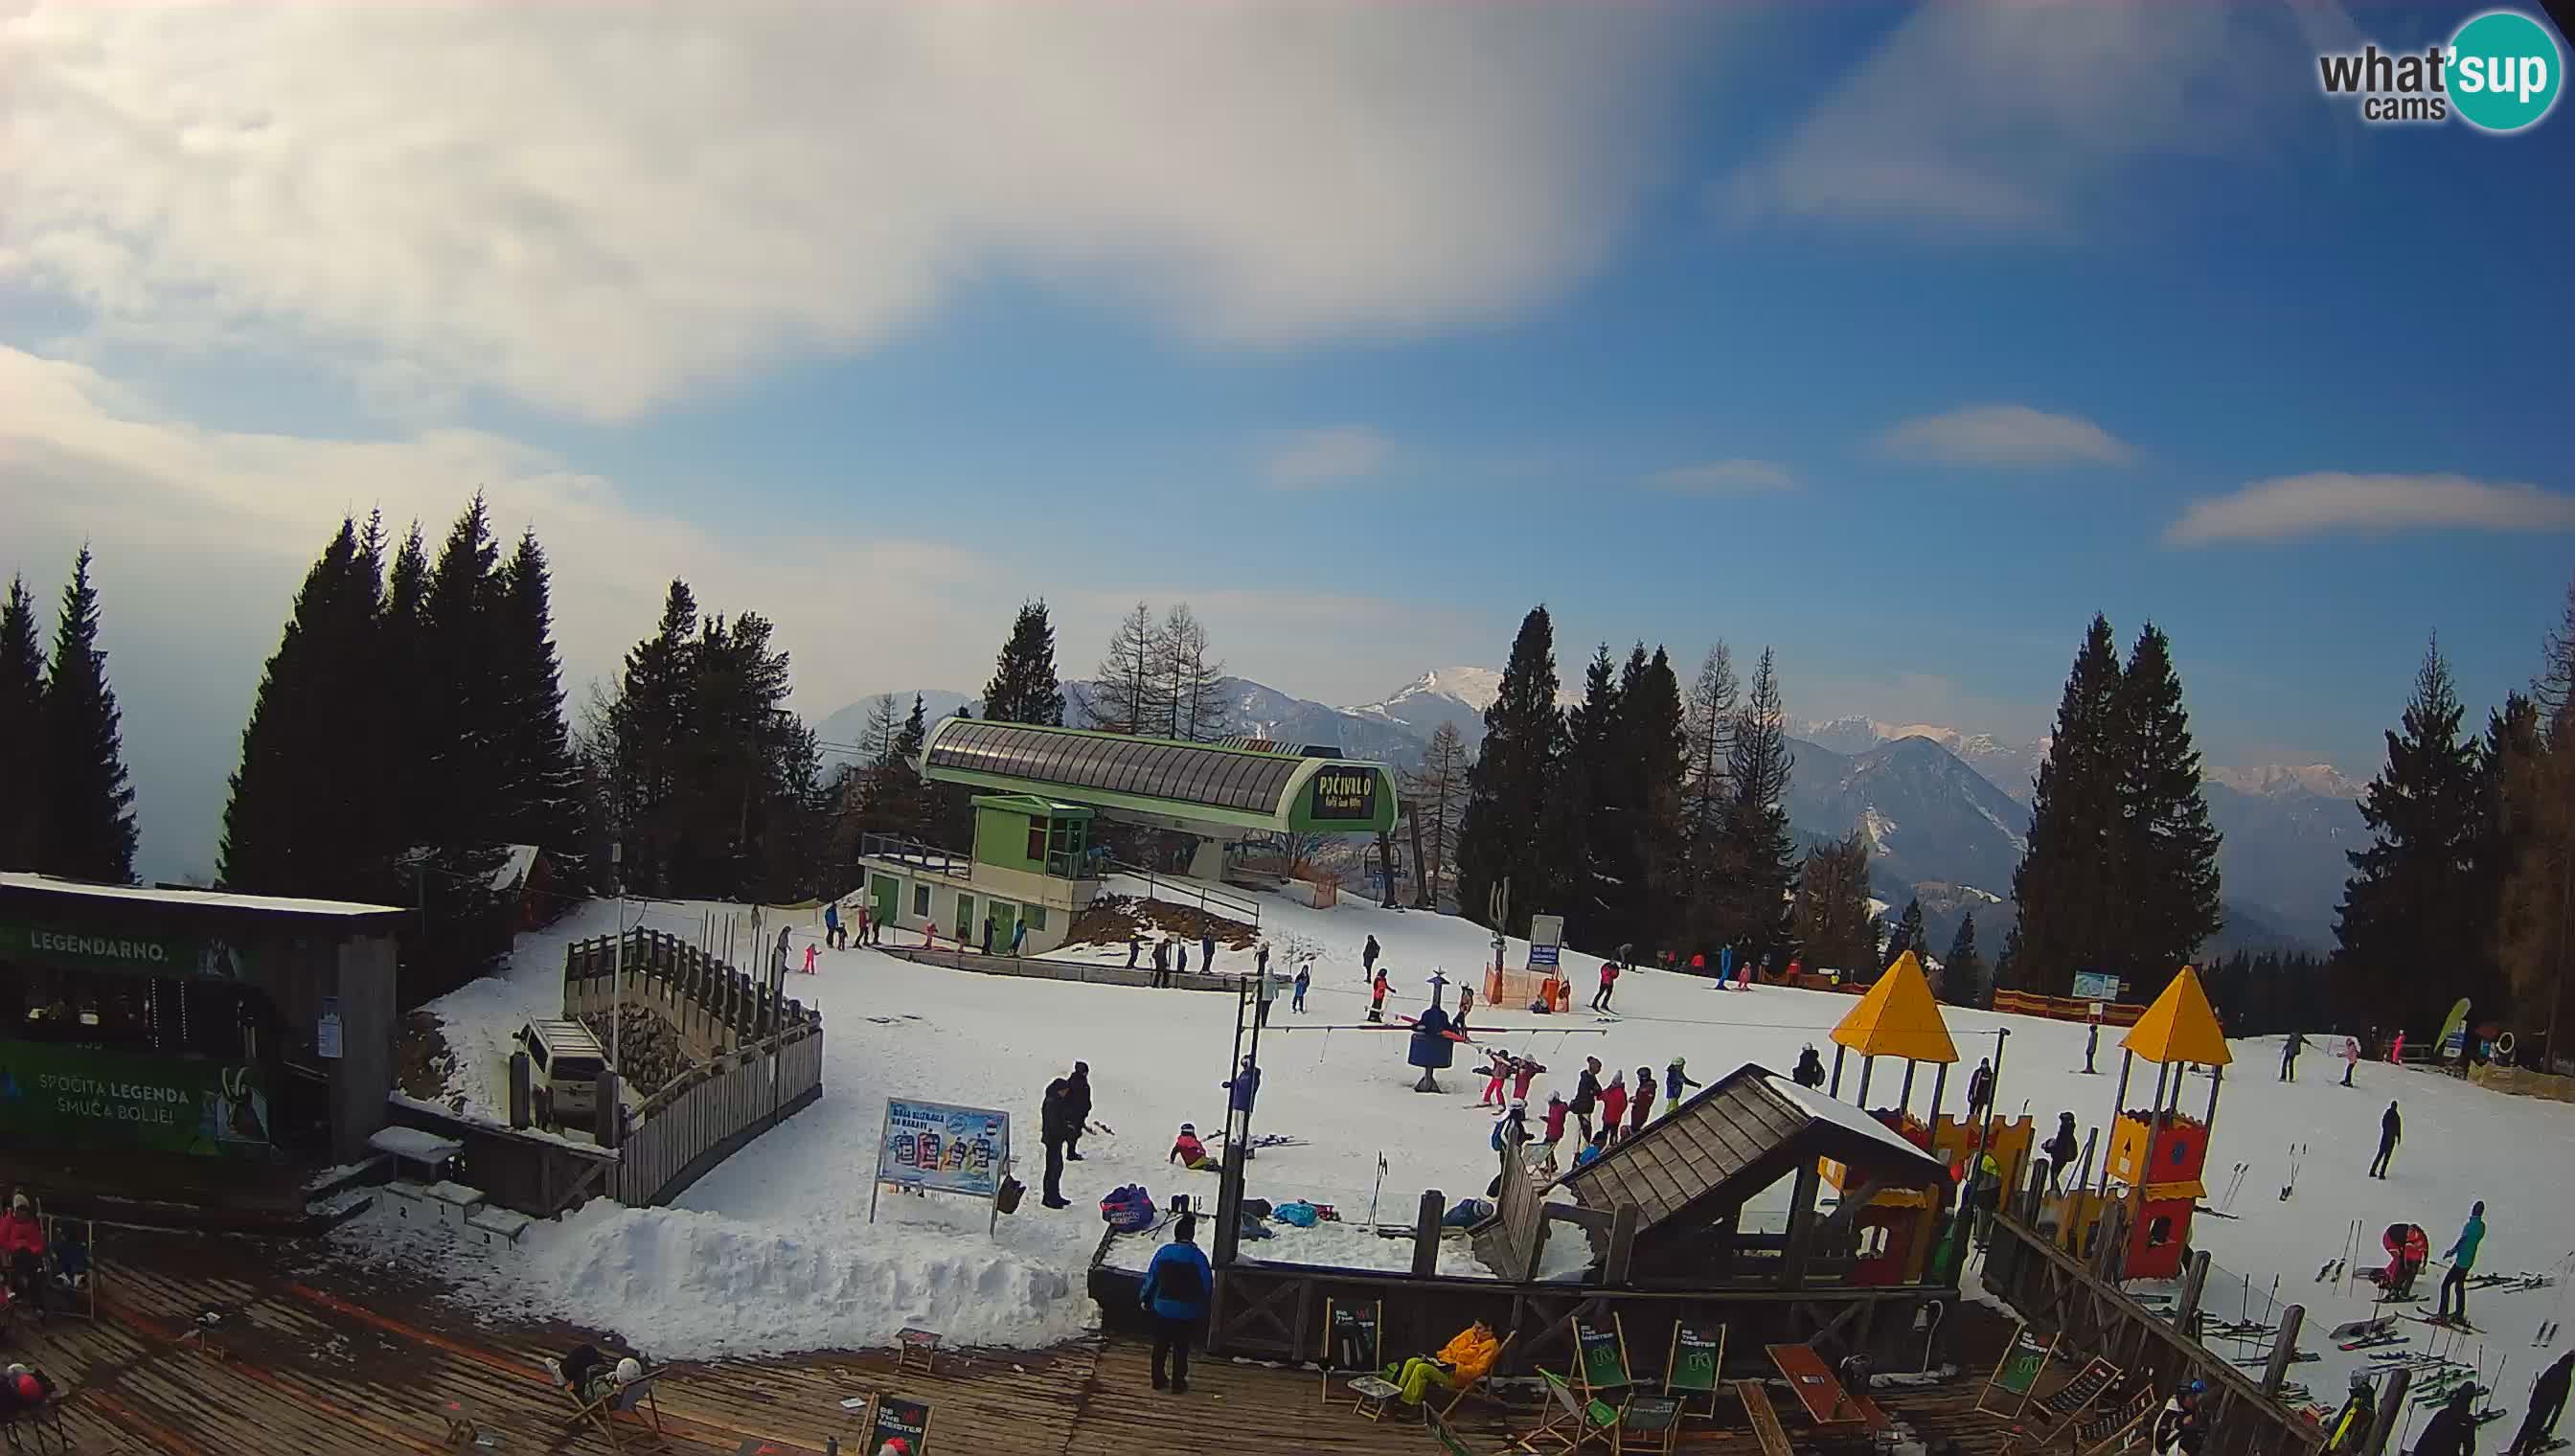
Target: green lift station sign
<point>207,957</point>
<point>78,1096</point>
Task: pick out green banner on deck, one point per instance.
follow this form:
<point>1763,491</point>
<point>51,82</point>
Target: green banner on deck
<point>132,952</point>
<point>78,1096</point>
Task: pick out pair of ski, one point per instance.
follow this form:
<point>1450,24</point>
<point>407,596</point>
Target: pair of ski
<point>2445,1322</point>
<point>2371,1341</point>
<point>2547,1335</point>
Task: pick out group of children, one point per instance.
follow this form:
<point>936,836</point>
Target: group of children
<point>1622,1112</point>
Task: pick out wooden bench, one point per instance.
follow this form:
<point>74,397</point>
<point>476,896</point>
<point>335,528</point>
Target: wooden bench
<point>1764,1420</point>
<point>1834,1409</point>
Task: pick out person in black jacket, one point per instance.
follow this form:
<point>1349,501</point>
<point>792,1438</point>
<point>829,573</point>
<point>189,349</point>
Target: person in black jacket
<point>2061,1151</point>
<point>2391,1132</point>
<point>1586,1094</point>
<point>1077,1101</point>
<point>2453,1431</point>
<point>1811,1070</point>
<point>1981,1088</point>
<point>1367,960</point>
<point>1056,1126</point>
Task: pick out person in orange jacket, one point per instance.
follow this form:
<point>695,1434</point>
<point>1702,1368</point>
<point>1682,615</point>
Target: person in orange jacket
<point>1460,1362</point>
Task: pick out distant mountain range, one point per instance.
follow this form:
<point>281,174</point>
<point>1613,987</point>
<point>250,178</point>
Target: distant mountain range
<point>1945,811</point>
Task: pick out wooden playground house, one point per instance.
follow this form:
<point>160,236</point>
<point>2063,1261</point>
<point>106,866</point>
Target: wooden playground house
<point>2157,1153</point>
<point>1900,1018</point>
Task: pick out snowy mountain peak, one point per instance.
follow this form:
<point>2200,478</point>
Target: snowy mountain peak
<point>2270,781</point>
<point>1474,687</point>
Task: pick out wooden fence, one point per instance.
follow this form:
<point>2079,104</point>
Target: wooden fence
<point>2066,1009</point>
<point>708,1113</point>
<point>2090,1316</point>
<point>714,1006</point>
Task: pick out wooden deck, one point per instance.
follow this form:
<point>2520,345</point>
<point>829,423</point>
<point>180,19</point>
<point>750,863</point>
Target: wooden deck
<point>302,1370</point>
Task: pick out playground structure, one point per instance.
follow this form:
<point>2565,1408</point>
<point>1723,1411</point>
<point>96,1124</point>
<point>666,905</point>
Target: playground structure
<point>2157,1153</point>
<point>1898,1017</point>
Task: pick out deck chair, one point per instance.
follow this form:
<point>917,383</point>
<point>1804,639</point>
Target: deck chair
<point>1600,1371</point>
<point>1449,1441</point>
<point>37,1427</point>
<point>1478,1387</point>
<point>607,1400</point>
<point>1572,1422</point>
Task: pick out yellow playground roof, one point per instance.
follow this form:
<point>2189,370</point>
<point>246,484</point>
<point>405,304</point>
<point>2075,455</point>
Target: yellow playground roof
<point>1898,1017</point>
<point>2180,1026</point>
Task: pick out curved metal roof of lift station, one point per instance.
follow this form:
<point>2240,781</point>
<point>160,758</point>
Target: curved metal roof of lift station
<point>1188,785</point>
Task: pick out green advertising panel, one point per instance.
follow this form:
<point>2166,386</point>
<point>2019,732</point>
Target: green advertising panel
<point>1604,1355</point>
<point>1695,1354</point>
<point>132,952</point>
<point>78,1096</point>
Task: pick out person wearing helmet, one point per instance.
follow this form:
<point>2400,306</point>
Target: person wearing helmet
<point>2547,1403</point>
<point>1175,1290</point>
<point>1676,1080</point>
<point>895,1446</point>
<point>629,1370</point>
<point>1642,1109</point>
<point>2178,1424</point>
<point>1810,1068</point>
<point>2462,1254</point>
<point>2452,1431</point>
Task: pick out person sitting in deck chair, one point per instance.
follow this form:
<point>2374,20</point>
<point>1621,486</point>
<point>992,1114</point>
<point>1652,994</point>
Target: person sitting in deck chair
<point>1460,1362</point>
<point>587,1374</point>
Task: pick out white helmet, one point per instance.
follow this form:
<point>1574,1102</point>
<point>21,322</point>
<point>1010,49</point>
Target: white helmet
<point>629,1370</point>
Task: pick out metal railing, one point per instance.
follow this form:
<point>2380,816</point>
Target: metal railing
<point>917,855</point>
<point>1205,898</point>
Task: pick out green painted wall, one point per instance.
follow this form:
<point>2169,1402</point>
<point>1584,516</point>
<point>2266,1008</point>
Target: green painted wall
<point>1001,837</point>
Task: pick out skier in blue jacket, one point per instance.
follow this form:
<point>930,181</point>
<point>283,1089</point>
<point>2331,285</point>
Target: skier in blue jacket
<point>1176,1291</point>
<point>2463,1261</point>
<point>1245,1085</point>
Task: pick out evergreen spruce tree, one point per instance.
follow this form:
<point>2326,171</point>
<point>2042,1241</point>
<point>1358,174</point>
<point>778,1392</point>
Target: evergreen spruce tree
<point>1708,722</point>
<point>2167,902</point>
<point>1650,712</point>
<point>88,812</point>
<point>307,815</point>
<point>1963,970</point>
<point>1908,935</point>
<point>1511,785</point>
<point>22,725</point>
<point>540,785</point>
<point>647,736</point>
<point>1832,914</point>
<point>2408,927</point>
<point>1594,811</point>
<point>1755,918</point>
<point>401,685</point>
<point>1023,686</point>
<point>2064,883</point>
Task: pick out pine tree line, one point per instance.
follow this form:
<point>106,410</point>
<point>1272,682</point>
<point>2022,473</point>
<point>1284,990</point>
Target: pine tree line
<point>2467,887</point>
<point>1644,815</point>
<point>2120,871</point>
<point>2276,992</point>
<point>68,808</point>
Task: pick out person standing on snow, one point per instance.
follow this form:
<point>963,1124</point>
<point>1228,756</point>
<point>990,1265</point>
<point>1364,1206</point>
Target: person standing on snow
<point>1609,983</point>
<point>1642,1110</point>
<point>810,952</point>
<point>1810,1068</point>
<point>1465,1003</point>
<point>1078,1102</point>
<point>2396,1049</point>
<point>832,924</point>
<point>1266,988</point>
<point>1206,948</point>
<point>2350,1059</point>
<point>1161,963</point>
<point>988,928</point>
<point>1498,1068</point>
<point>2547,1403</point>
<point>1613,1105</point>
<point>1019,934</point>
<point>1181,949</point>
<point>1376,997</point>
<point>1627,956</point>
<point>1676,1080</point>
<point>1305,980</point>
<point>2391,1132</point>
<point>1135,947</point>
<point>1555,1110</point>
<point>1261,958</point>
<point>2462,1254</point>
<point>1981,1088</point>
<point>2091,1044</point>
<point>1367,960</point>
<point>1055,1128</point>
<point>1586,1094</point>
<point>1177,1285</point>
<point>2452,1431</point>
<point>1524,1070</point>
<point>2289,1050</point>
<point>2060,1150</point>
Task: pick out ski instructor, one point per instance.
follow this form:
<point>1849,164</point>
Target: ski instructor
<point>2462,1254</point>
<point>2547,1402</point>
<point>2391,1132</point>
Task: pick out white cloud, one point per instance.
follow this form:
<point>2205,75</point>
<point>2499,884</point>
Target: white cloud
<point>596,210</point>
<point>1334,455</point>
<point>1725,477</point>
<point>2328,501</point>
<point>2020,117</point>
<point>2002,434</point>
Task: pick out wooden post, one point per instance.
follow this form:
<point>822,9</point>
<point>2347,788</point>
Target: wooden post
<point>2284,1349</point>
<point>1426,1233</point>
<point>1622,1243</point>
<point>521,1095</point>
<point>1867,1064</point>
<point>1834,1088</point>
<point>2118,1104</point>
<point>2391,1406</point>
<point>2187,1314</point>
<point>604,1121</point>
<point>1801,1220</point>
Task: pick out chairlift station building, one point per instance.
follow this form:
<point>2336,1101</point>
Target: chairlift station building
<point>1040,790</point>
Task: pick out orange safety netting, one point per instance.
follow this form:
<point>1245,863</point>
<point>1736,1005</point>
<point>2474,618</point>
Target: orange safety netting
<point>1518,989</point>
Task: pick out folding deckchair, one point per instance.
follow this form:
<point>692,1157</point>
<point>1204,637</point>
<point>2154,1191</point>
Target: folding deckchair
<point>1476,1386</point>
<point>1600,1360</point>
<point>1571,1423</point>
<point>1449,1441</point>
<point>600,1411</point>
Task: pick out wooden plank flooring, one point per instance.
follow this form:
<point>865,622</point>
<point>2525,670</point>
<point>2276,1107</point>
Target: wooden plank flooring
<point>319,1370</point>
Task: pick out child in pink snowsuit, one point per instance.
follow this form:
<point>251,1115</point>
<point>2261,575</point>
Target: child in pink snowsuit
<point>809,960</point>
<point>1495,1072</point>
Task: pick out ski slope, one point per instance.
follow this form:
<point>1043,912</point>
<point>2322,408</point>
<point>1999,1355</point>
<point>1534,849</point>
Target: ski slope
<point>772,1251</point>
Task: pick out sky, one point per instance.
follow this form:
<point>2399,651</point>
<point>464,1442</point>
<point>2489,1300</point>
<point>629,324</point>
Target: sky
<point>1899,338</point>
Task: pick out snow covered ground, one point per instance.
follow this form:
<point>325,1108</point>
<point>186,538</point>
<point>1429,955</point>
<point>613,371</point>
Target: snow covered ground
<point>773,1250</point>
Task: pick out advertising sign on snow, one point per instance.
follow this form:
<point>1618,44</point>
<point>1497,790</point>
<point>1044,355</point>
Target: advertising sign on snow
<point>945,1149</point>
<point>2095,986</point>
